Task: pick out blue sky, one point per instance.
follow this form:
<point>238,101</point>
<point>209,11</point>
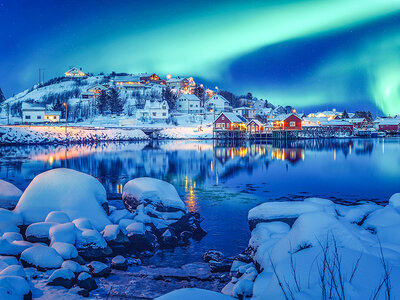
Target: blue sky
<point>321,53</point>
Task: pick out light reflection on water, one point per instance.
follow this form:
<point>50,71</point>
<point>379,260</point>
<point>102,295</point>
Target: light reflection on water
<point>224,180</point>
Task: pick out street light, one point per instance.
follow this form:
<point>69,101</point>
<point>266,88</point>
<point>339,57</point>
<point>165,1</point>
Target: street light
<point>66,118</point>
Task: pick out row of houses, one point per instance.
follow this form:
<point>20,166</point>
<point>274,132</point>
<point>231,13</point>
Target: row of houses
<point>231,121</point>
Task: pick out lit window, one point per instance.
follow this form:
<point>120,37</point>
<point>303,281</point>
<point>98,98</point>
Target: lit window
<point>292,124</point>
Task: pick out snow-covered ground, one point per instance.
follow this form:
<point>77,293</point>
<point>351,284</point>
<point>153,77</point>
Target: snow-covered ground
<point>56,134</point>
<point>330,252</point>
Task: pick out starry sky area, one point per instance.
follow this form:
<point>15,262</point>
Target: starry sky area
<point>319,54</point>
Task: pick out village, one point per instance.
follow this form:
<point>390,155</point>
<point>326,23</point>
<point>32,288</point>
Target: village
<point>151,104</point>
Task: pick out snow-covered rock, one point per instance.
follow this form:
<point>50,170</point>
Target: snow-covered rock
<point>194,294</point>
<point>67,251</point>
<point>9,195</point>
<point>62,277</point>
<point>83,223</point>
<point>136,228</point>
<point>41,257</point>
<point>65,233</point>
<point>160,194</point>
<point>13,270</point>
<point>13,248</point>
<point>92,245</point>
<point>98,269</point>
<point>86,281</point>
<point>14,287</point>
<point>74,267</point>
<point>9,221</point>
<point>77,194</point>
<point>57,217</point>
<point>288,212</point>
<point>119,263</point>
<point>13,236</point>
<point>395,201</point>
<point>39,232</point>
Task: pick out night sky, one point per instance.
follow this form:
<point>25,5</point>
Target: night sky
<point>320,54</point>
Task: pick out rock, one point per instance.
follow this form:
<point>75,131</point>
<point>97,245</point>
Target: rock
<point>77,194</point>
<point>91,245</point>
<point>86,281</point>
<point>213,255</point>
<point>74,267</point>
<point>14,287</point>
<point>162,195</point>
<point>13,270</point>
<point>57,217</point>
<point>83,223</point>
<point>41,257</point>
<point>134,261</point>
<point>185,236</point>
<point>98,269</point>
<point>65,233</point>
<point>220,266</point>
<point>115,238</point>
<point>119,263</point>
<point>67,251</point>
<point>169,239</point>
<point>143,242</point>
<point>62,277</point>
<point>9,195</point>
<point>83,293</point>
<point>39,232</point>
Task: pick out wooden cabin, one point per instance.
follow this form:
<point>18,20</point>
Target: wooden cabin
<point>287,122</point>
<point>75,73</point>
<point>230,121</point>
<point>254,126</point>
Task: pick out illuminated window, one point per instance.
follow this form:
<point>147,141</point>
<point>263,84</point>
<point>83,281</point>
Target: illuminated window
<point>292,124</point>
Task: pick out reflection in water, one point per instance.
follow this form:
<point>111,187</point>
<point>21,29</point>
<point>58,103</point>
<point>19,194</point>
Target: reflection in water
<point>189,165</point>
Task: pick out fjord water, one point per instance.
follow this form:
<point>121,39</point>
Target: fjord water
<point>223,181</point>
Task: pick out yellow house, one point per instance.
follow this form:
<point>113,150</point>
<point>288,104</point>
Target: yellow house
<point>75,72</point>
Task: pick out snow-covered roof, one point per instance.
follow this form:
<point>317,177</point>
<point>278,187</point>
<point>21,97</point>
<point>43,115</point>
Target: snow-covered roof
<point>127,78</point>
<point>174,80</point>
<point>33,106</point>
<point>53,113</point>
<point>244,108</point>
<point>234,118</point>
<point>256,121</point>
<point>190,97</point>
<point>217,100</point>
<point>335,123</point>
<point>389,121</point>
<point>355,120</point>
<point>283,117</point>
<point>155,104</point>
<point>266,111</point>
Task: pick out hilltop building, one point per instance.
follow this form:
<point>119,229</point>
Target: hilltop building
<point>75,73</point>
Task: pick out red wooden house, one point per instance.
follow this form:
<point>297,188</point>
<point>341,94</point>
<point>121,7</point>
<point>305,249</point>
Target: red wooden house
<point>358,122</point>
<point>230,121</point>
<point>390,124</point>
<point>254,126</point>
<point>287,122</point>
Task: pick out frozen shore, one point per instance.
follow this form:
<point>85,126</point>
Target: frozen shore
<point>13,135</point>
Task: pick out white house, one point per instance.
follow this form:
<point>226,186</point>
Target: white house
<point>246,112</point>
<point>75,73</point>
<point>94,91</point>
<point>218,103</point>
<point>178,83</point>
<point>188,103</point>
<point>37,113</point>
<point>32,112</point>
<point>153,111</point>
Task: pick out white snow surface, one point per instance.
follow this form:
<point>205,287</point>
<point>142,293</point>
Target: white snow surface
<point>9,195</point>
<point>39,229</point>
<point>77,194</point>
<point>155,191</point>
<point>194,294</point>
<point>57,217</point>
<point>64,233</point>
<point>56,134</point>
<point>359,234</point>
<point>13,287</point>
<point>66,250</point>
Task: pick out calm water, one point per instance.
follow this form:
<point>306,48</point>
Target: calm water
<point>223,182</point>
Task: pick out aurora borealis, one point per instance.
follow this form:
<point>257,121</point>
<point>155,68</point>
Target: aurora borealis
<point>341,53</point>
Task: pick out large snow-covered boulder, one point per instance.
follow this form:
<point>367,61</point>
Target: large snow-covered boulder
<point>162,195</point>
<point>14,287</point>
<point>77,194</point>
<point>9,195</point>
<point>39,232</point>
